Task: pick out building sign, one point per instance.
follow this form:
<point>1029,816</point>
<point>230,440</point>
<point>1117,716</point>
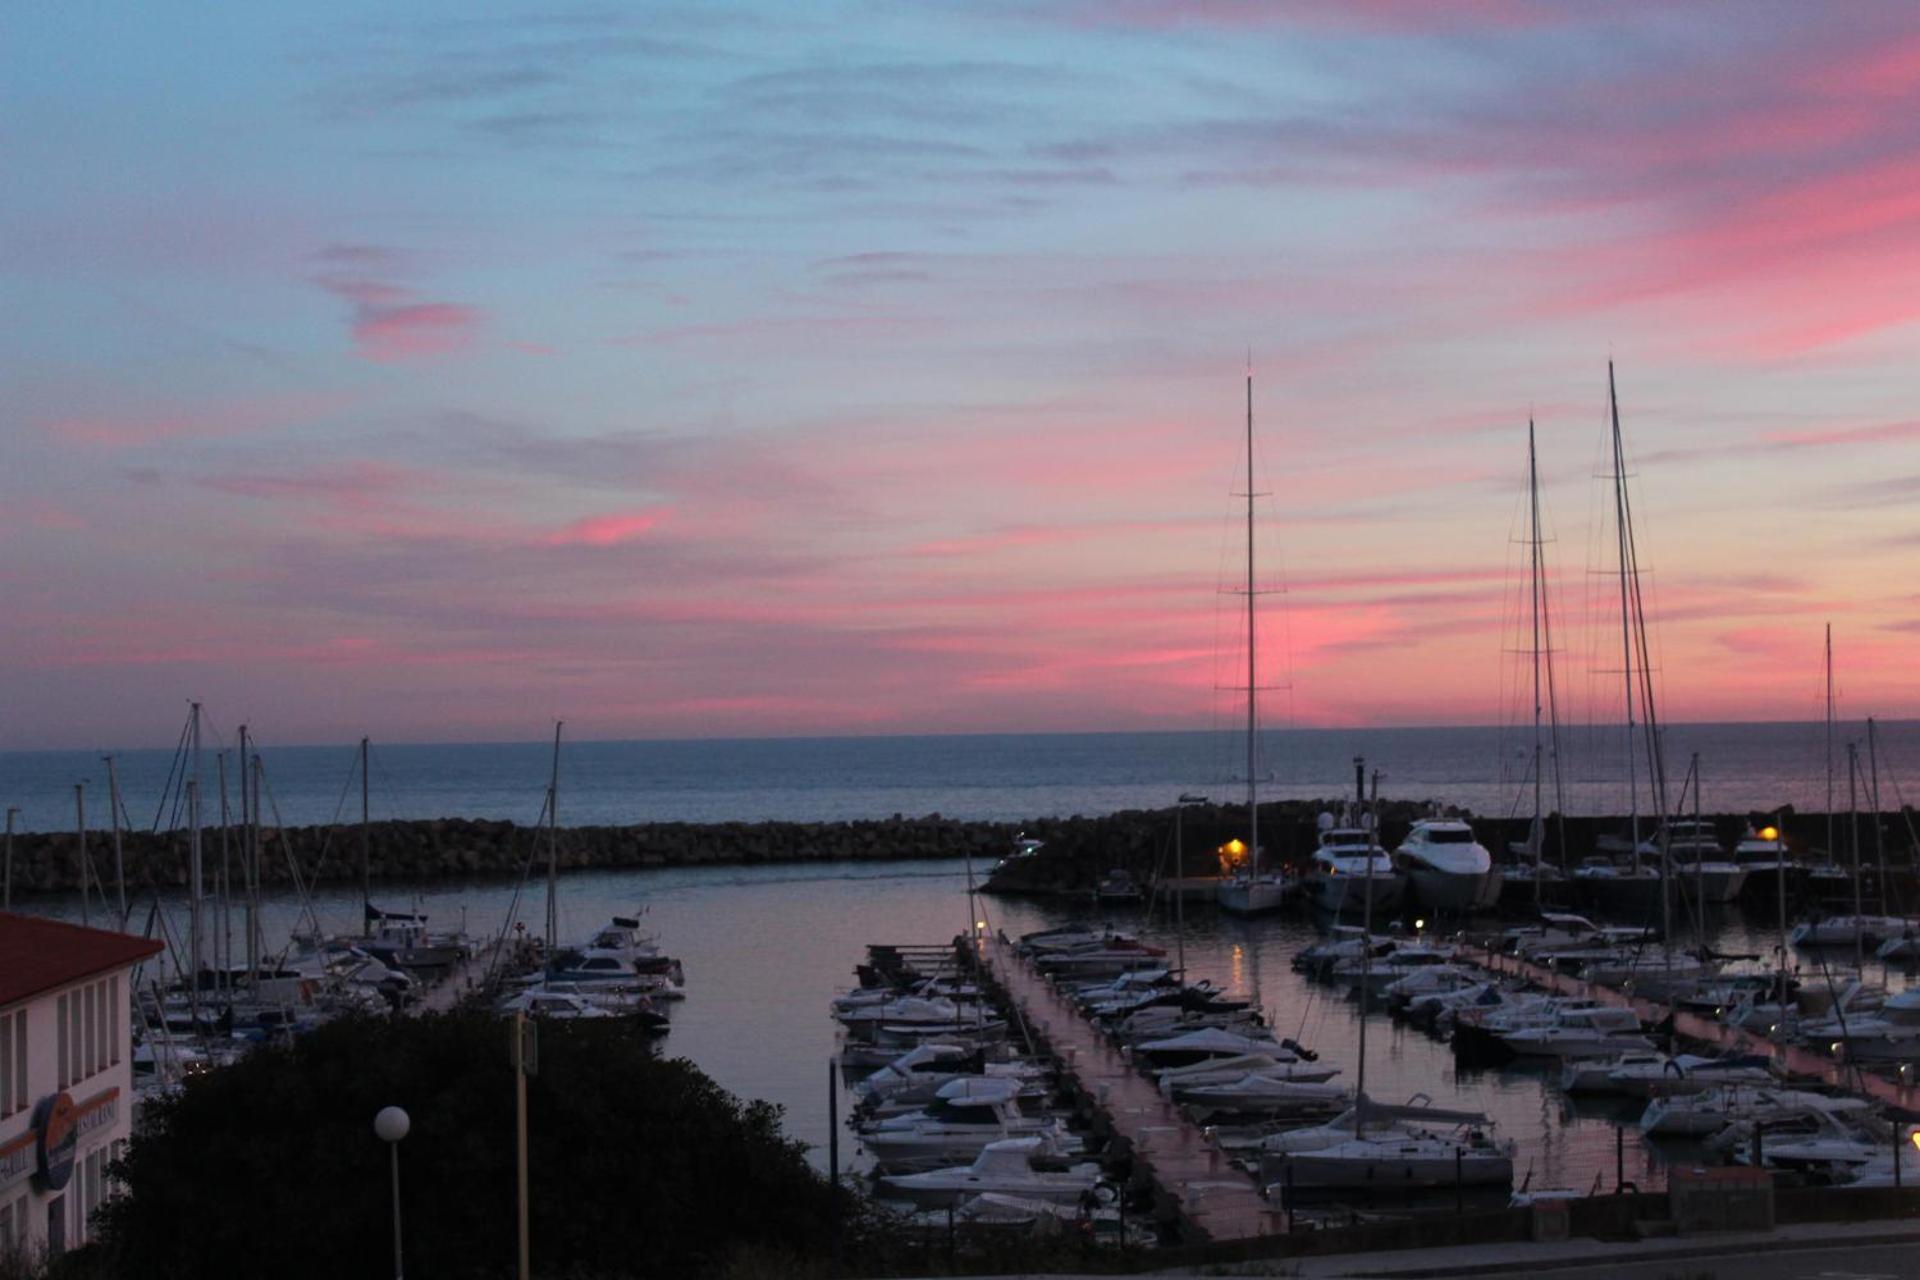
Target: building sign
<point>17,1160</point>
<point>58,1125</point>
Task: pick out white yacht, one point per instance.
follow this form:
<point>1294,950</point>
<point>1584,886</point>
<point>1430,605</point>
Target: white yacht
<point>1348,865</point>
<point>1702,1114</point>
<point>1005,1167</point>
<point>1413,1160</point>
<point>963,1118</point>
<point>1266,1095</point>
<point>1700,865</point>
<point>1447,869</point>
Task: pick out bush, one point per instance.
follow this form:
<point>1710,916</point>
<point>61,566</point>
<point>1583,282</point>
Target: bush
<point>639,1165</point>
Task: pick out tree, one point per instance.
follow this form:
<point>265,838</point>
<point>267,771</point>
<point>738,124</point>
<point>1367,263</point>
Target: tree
<point>639,1165</point>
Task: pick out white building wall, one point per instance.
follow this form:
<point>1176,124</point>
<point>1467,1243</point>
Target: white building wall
<point>26,1206</point>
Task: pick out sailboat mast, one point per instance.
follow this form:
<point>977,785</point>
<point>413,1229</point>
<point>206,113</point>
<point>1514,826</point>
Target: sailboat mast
<point>119,857</point>
<point>1873,800</point>
<point>197,887</point>
<point>1830,845</point>
<point>1626,614</point>
<point>1253,807</point>
<point>366,858</point>
<point>80,834</point>
<point>1536,832</point>
<point>1853,838</point>
<point>553,844</point>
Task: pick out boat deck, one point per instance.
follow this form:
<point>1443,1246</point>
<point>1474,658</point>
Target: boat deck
<point>1793,1058</point>
<point>458,982</point>
<point>1213,1195</point>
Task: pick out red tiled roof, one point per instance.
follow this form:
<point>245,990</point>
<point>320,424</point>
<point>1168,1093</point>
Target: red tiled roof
<point>37,954</point>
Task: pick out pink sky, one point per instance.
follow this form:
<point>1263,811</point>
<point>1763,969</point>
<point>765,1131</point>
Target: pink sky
<point>873,369</point>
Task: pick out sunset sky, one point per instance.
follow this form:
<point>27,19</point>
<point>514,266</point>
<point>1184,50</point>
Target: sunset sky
<point>877,368</point>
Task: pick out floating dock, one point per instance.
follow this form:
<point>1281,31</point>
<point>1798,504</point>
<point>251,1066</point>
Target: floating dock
<point>1795,1059</point>
<point>1206,1190</point>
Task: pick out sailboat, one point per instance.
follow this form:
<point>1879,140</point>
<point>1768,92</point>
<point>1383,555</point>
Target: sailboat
<point>1248,890</point>
<point>1633,884</point>
<point>1542,883</point>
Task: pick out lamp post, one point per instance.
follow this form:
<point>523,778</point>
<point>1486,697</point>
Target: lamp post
<point>391,1125</point>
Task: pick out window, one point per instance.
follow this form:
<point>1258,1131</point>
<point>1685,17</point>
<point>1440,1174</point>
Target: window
<point>60,1035</point>
<point>89,1028</point>
<point>115,1020</point>
<point>13,1065</point>
<point>92,1184</point>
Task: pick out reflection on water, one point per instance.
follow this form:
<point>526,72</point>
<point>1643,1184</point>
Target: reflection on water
<point>765,948</point>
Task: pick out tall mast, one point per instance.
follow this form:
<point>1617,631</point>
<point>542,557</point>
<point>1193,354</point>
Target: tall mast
<point>1853,839</point>
<point>1535,833</point>
<point>80,833</point>
<point>553,844</point>
<point>1626,615</point>
<point>1830,845</point>
<point>223,882</point>
<point>197,884</point>
<point>1253,807</point>
<point>253,890</point>
<point>1873,800</point>
<point>119,856</point>
<point>249,852</point>
<point>6,872</point>
<point>366,856</point>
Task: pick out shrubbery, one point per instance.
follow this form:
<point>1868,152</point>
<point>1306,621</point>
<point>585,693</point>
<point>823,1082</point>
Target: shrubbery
<point>639,1165</point>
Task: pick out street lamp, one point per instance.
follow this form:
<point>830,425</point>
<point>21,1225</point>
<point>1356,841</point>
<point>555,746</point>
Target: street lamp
<point>390,1126</point>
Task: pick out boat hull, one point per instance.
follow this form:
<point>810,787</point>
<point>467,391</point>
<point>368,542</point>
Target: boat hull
<point>1339,895</point>
<point>1251,897</point>
<point>1454,892</point>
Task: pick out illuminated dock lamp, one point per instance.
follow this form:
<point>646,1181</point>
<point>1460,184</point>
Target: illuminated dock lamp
<point>1769,833</point>
<point>1232,854</point>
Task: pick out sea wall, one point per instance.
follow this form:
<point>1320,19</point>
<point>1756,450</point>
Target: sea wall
<point>1076,851</point>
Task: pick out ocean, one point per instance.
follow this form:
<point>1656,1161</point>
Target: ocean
<point>982,777</point>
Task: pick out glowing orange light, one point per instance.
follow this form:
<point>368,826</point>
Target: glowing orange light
<point>1769,833</point>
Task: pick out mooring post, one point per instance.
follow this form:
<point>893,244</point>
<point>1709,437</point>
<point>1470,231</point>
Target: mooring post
<point>1289,1195</point>
<point>1899,1140</point>
<point>1620,1159</point>
<point>1459,1181</point>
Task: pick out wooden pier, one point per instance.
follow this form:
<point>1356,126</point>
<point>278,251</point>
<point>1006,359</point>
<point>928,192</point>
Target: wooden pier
<point>1210,1193</point>
<point>1796,1060</point>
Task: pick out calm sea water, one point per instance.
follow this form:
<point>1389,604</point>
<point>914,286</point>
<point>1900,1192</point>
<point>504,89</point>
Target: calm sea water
<point>766,947</point>
<point>1003,777</point>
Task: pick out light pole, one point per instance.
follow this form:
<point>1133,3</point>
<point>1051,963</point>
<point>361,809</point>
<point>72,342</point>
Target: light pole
<point>391,1125</point>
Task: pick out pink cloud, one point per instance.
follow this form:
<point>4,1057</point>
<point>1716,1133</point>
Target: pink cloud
<point>390,322</point>
<point>606,531</point>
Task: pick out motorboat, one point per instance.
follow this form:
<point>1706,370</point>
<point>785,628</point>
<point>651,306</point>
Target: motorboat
<point>1689,1073</point>
<point>1578,1031</point>
<point>1596,1075</point>
<point>917,1074</point>
<point>961,1120</point>
<point>559,1005</point>
<point>1847,931</point>
<point>1404,960</point>
<point>1395,1162</point>
<point>1447,869</point>
<point>1619,886</point>
<point>1005,1167</point>
<point>1176,1081</point>
<point>1349,866</point>
<point>635,1005</point>
<point>1703,1114</point>
<point>1255,1094</point>
<point>1764,856</point>
<point>1700,863</point>
<point>1199,1046</point>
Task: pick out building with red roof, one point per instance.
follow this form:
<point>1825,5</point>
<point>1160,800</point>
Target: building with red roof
<point>66,1074</point>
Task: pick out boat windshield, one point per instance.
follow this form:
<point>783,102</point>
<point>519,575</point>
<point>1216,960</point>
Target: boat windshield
<point>1449,835</point>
